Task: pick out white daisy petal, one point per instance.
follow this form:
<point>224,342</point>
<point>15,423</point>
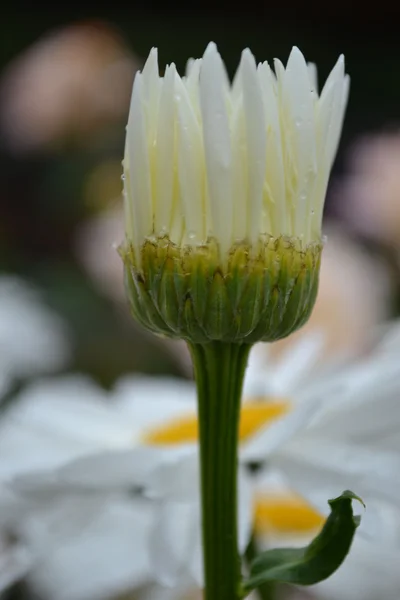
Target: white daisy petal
<point>164,158</point>
<point>137,167</point>
<point>190,166</point>
<point>33,339</point>
<point>171,545</point>
<point>99,551</point>
<point>217,144</point>
<point>338,466</point>
<point>313,74</point>
<point>255,141</point>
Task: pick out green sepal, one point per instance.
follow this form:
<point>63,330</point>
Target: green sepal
<point>251,293</point>
<point>315,562</point>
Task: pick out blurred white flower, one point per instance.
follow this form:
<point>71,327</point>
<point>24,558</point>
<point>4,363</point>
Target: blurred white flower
<point>350,441</point>
<point>81,545</point>
<point>32,338</point>
<point>84,516</point>
<point>314,433</point>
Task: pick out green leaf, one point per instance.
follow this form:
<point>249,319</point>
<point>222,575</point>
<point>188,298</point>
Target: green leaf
<point>318,560</point>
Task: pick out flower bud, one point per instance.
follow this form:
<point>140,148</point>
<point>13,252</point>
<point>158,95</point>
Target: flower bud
<point>224,189</point>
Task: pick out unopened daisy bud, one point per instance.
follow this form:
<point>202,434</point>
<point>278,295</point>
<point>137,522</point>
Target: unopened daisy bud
<point>224,190</point>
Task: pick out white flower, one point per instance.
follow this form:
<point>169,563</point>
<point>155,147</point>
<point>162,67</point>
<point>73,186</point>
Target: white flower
<point>82,546</point>
<point>315,434</point>
<point>205,158</point>
<point>32,339</point>
<point>350,441</point>
<point>79,458</point>
<point>224,190</point>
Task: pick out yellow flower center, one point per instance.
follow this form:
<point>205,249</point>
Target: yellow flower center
<point>254,416</point>
<point>286,515</point>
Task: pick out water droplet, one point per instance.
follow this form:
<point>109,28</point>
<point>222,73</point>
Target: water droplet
<point>191,235</point>
<point>122,177</point>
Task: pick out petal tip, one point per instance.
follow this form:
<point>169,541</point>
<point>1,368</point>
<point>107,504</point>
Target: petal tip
<point>339,66</point>
<point>296,56</point>
<point>248,57</point>
<point>151,63</point>
<point>211,49</point>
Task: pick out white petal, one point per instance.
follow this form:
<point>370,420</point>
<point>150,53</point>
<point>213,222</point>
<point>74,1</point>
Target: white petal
<point>53,421</point>
<point>237,85</point>
<point>320,469</point>
<point>329,119</point>
<point>192,86</point>
<point>191,168</point>
<point>269,439</point>
<point>171,544</point>
<point>117,470</point>
<point>101,559</point>
<point>33,339</point>
<point>176,543</point>
<point>245,509</point>
<point>151,92</point>
<point>326,114</point>
<point>297,362</point>
<point>149,401</point>
<point>155,591</point>
<point>189,66</point>
<point>363,574</point>
<point>343,106</point>
<point>336,77</point>
<point>256,142</point>
<point>259,379</point>
<point>368,409</point>
<point>217,144</point>
<point>137,168</point>
<point>313,75</point>
<point>178,480</point>
<point>288,150</point>
<point>240,228</point>
<point>302,124</point>
<point>275,202</point>
<point>165,155</point>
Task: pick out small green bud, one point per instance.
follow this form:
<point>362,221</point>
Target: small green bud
<point>252,294</point>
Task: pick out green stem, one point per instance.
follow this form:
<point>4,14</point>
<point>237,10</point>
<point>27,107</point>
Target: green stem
<point>219,370</point>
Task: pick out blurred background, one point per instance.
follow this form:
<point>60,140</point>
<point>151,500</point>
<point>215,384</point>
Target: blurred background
<point>64,94</point>
<point>65,84</point>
